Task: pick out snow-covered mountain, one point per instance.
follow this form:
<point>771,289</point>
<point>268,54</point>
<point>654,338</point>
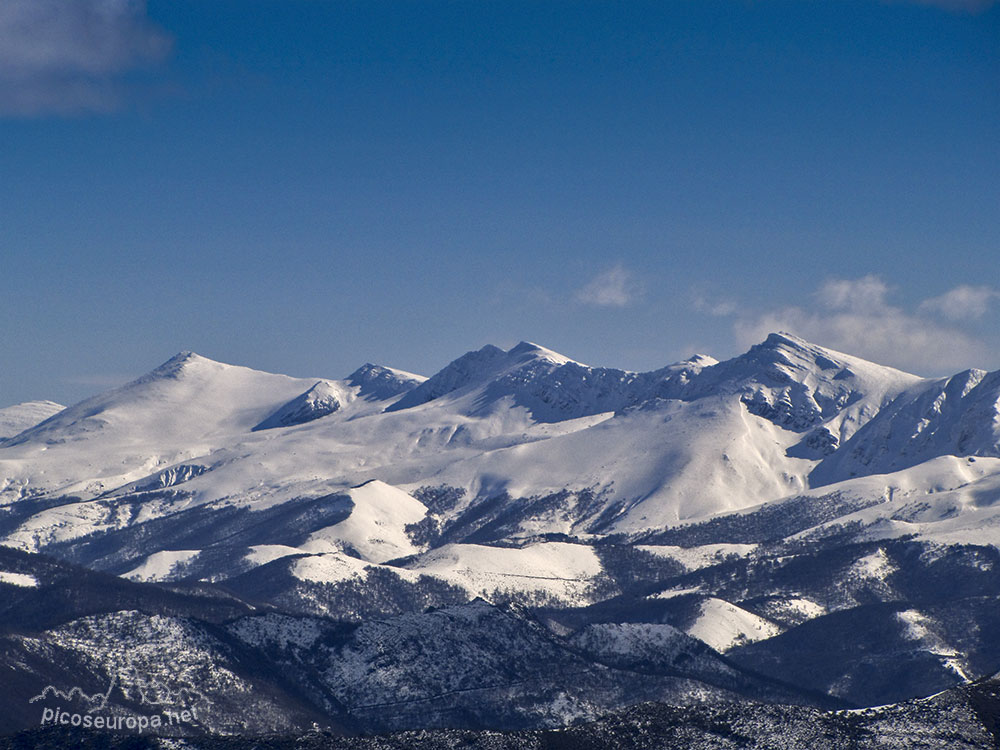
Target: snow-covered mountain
<point>499,446</point>
<point>525,422</point>
<point>752,504</point>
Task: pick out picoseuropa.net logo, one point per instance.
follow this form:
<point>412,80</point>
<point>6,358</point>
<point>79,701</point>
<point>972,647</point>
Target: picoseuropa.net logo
<point>171,708</point>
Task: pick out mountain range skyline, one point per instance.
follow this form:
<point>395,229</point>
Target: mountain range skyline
<point>961,302</point>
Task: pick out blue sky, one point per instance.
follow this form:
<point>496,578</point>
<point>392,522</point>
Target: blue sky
<point>306,185</point>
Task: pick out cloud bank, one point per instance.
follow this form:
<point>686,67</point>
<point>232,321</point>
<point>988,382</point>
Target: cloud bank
<point>856,316</point>
<point>68,56</point>
<point>962,303</point>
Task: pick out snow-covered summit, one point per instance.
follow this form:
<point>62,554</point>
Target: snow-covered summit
<point>549,385</point>
<point>379,383</point>
<point>186,398</point>
<point>477,368</point>
<point>802,387</point>
<point>526,351</point>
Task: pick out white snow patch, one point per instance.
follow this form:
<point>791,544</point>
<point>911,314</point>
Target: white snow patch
<point>806,608</point>
<point>262,554</point>
<point>557,569</point>
<point>160,566</point>
<point>876,566</point>
<point>723,626</point>
<point>25,580</point>
<point>671,593</point>
<point>696,558</point>
<point>916,624</point>
<point>330,568</point>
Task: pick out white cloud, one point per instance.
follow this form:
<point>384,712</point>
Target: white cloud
<point>615,287</point>
<point>717,308</point>
<point>854,316</point>
<point>66,56</point>
<point>867,293</point>
<point>962,303</point>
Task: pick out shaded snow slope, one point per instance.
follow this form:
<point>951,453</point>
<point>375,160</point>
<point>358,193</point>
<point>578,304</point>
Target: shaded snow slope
<point>322,399</point>
<point>723,626</point>
<point>15,419</point>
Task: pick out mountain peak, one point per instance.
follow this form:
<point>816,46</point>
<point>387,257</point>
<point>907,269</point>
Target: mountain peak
<point>527,350</point>
<point>781,352</point>
<point>700,360</point>
<point>788,343</point>
<point>480,367</point>
<point>524,346</point>
<point>179,363</point>
<point>472,367</point>
<point>776,338</point>
<point>186,398</point>
<point>790,350</point>
<point>799,385</point>
<point>377,382</point>
<point>183,358</point>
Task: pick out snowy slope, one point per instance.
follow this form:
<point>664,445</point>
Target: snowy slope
<point>15,419</point>
<point>379,383</point>
<point>946,500</point>
<point>179,410</point>
<point>723,626</point>
<point>958,416</point>
<point>376,526</point>
<point>560,571</point>
<point>188,407</point>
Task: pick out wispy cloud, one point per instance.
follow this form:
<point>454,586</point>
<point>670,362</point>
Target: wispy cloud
<point>962,303</point>
<point>68,56</point>
<point>719,307</point>
<point>864,295</point>
<point>616,287</point>
<point>856,316</point>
